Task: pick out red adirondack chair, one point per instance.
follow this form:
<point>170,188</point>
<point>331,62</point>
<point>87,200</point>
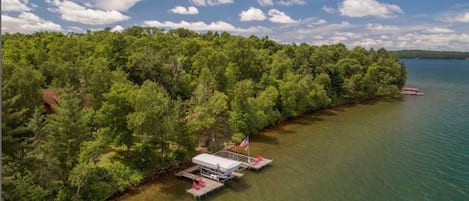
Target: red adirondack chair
<point>201,183</point>
<point>195,185</point>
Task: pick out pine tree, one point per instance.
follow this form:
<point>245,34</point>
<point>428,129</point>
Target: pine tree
<point>66,129</point>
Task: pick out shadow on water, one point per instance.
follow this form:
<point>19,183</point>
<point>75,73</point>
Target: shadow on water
<point>129,193</point>
<point>283,130</point>
<point>379,100</point>
<point>237,185</point>
<point>262,137</point>
<point>175,191</point>
<point>306,119</point>
<point>341,109</point>
<point>176,188</point>
<point>326,112</point>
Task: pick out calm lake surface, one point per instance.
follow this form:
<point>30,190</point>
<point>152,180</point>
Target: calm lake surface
<point>416,148</point>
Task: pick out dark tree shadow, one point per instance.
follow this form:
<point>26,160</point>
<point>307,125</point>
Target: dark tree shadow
<point>282,129</point>
<point>262,137</point>
<point>307,119</point>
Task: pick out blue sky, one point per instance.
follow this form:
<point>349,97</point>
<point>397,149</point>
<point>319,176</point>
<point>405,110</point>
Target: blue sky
<point>393,24</point>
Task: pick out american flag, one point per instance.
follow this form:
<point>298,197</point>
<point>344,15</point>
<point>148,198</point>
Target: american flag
<point>245,143</point>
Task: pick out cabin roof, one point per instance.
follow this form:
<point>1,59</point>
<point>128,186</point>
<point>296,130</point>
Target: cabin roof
<point>50,96</point>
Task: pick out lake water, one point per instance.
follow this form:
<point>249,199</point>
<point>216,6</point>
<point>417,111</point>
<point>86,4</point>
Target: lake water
<point>416,148</point>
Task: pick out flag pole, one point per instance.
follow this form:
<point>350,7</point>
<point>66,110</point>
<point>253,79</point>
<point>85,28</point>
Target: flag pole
<point>249,149</point>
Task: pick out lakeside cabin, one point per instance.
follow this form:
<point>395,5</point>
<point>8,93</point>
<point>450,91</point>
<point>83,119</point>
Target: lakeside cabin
<point>411,91</point>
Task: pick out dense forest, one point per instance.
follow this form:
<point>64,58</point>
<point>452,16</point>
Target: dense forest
<point>133,102</point>
<point>426,54</point>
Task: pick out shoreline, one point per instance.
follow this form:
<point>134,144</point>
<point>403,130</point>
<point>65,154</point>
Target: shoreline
<point>151,179</point>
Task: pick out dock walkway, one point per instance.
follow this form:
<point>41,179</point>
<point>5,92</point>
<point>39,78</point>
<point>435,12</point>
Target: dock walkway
<point>244,159</point>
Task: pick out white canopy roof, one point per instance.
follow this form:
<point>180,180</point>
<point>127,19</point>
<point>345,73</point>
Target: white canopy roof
<point>216,162</point>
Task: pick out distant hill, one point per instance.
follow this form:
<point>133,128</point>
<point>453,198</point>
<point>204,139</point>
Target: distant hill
<point>426,54</point>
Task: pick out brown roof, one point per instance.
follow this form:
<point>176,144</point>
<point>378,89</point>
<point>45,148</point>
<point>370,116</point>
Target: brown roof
<point>51,97</point>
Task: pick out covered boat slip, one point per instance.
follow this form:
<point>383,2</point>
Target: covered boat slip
<point>215,167</point>
<point>215,162</point>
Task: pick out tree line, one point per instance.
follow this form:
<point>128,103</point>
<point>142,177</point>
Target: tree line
<point>152,96</point>
<point>427,54</point>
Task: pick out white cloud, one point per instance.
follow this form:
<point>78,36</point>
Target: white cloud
<point>363,8</point>
<point>202,26</point>
<point>15,5</point>
<point>280,17</point>
<point>191,10</point>
<point>74,29</point>
<point>380,27</point>
<point>198,2</point>
<point>73,12</point>
<point>350,35</point>
<point>117,28</point>
<point>338,38</point>
<point>318,37</point>
<point>119,5</point>
<point>196,26</point>
<point>265,2</point>
<point>373,43</point>
<point>210,2</point>
<point>88,5</point>
<point>311,31</point>
<point>318,22</point>
<point>252,14</point>
<point>440,30</point>
<point>411,35</point>
<point>456,17</point>
<point>329,10</point>
<point>452,41</point>
<point>291,2</point>
<point>27,22</point>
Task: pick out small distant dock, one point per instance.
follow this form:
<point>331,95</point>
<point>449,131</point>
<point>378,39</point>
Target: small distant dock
<point>244,159</point>
<point>411,91</point>
<point>212,175</point>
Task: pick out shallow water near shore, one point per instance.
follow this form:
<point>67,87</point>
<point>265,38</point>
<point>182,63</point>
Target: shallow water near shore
<point>413,148</point>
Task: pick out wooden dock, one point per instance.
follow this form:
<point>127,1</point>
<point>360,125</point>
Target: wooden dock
<point>244,159</point>
<point>188,170</point>
<point>210,185</point>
